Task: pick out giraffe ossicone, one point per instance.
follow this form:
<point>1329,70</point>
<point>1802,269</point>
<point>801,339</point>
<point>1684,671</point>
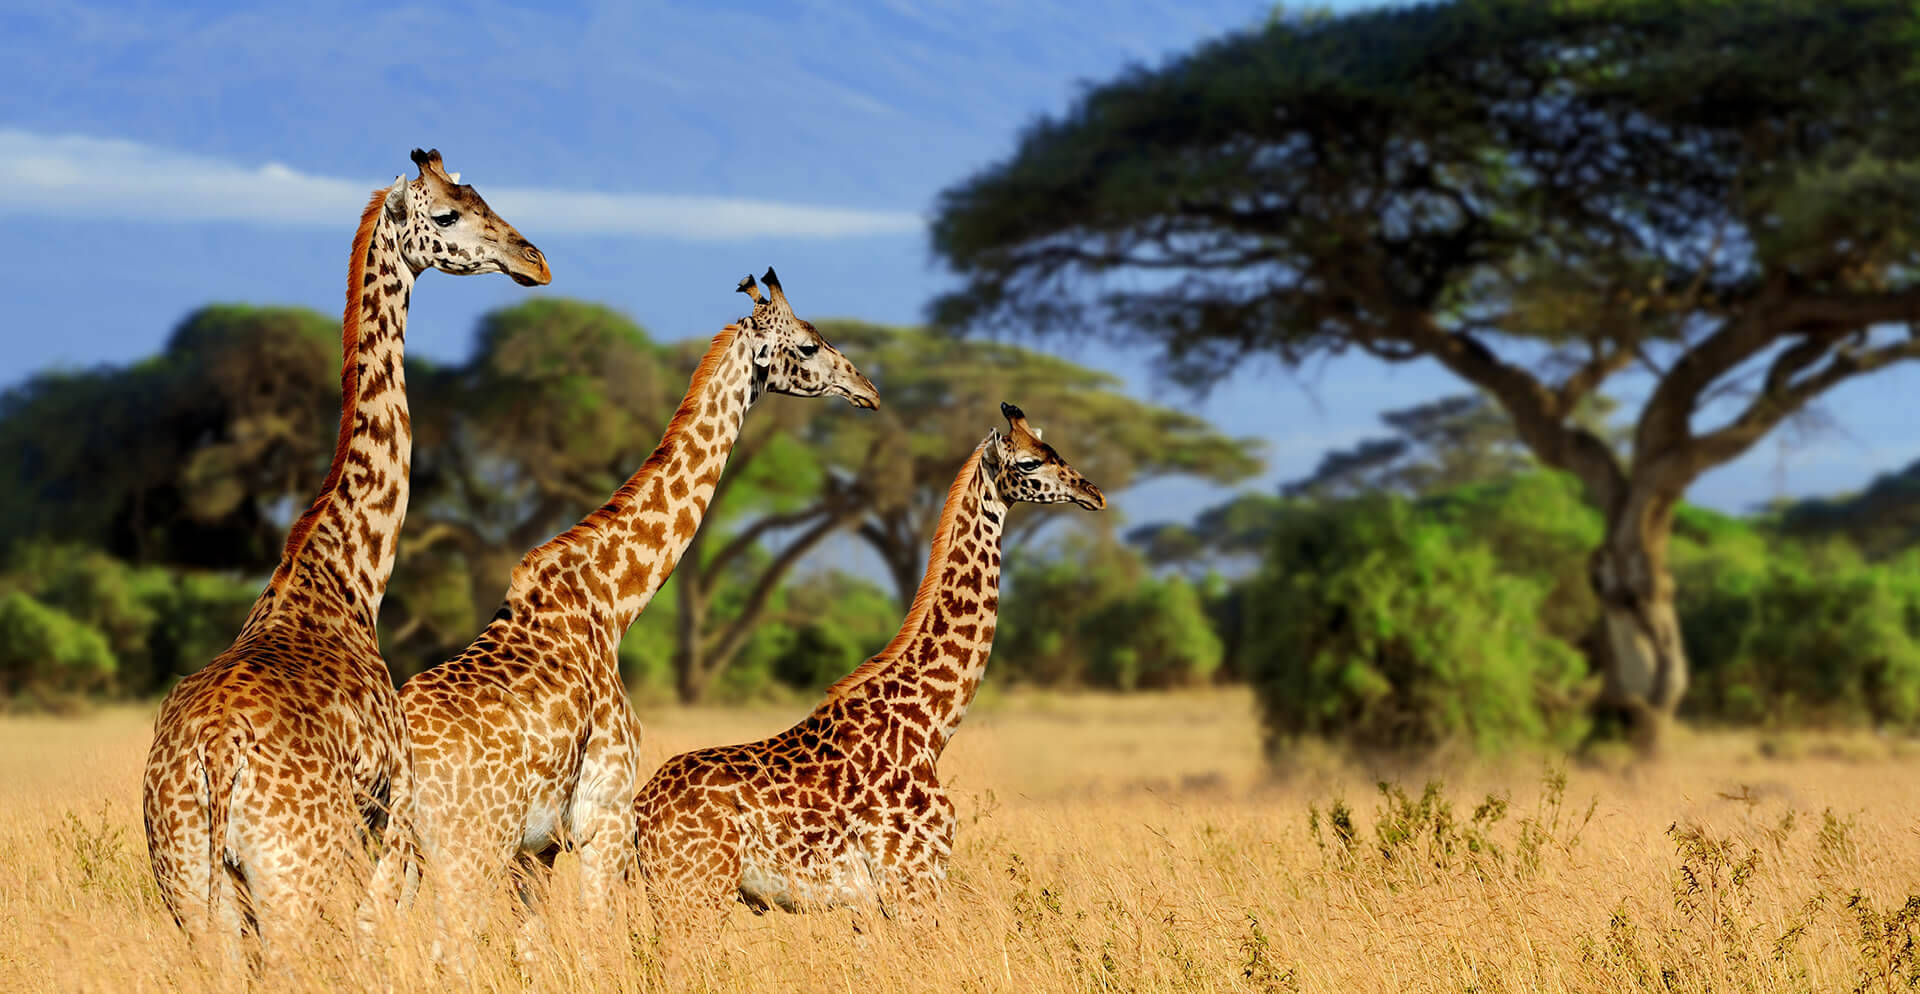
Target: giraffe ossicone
<point>525,741</point>
<point>272,764</point>
<point>846,807</point>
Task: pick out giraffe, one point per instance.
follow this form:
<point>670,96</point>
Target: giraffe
<point>270,766</point>
<point>525,741</point>
<point>846,806</point>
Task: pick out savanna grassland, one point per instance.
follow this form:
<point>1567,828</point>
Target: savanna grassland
<point>1139,844</point>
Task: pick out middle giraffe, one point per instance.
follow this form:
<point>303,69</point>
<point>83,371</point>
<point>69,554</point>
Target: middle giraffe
<point>525,741</point>
<point>846,807</point>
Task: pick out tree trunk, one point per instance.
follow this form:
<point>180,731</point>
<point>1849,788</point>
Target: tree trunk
<point>1643,659</point>
<point>690,669</point>
<point>906,569</point>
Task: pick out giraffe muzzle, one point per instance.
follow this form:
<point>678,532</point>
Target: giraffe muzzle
<point>1090,497</point>
<point>863,395</point>
<point>531,268</point>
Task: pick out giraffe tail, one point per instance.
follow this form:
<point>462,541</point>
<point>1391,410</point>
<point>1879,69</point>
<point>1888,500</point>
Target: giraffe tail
<point>224,745</point>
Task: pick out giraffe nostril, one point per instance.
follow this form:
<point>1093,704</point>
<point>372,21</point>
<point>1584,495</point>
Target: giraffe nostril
<point>532,254</point>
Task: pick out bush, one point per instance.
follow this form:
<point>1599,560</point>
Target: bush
<point>46,653</point>
<point>1158,636</point>
<point>1092,616</point>
<point>157,623</point>
<point>1380,625</point>
<point>1539,526</point>
<point>1782,635</point>
<point>837,621</point>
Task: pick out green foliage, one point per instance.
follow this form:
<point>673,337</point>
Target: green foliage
<point>45,652</point>
<point>1787,635</point>
<point>1322,174</point>
<point>1383,627</point>
<point>180,458</point>
<point>1538,526</point>
<point>1092,616</point>
<point>836,621</point>
<point>156,623</point>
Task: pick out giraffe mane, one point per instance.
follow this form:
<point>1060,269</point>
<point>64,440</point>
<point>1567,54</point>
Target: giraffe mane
<point>349,382</point>
<point>683,416</point>
<point>929,583</point>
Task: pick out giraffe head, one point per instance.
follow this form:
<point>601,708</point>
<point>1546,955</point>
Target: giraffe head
<point>1025,468</point>
<point>448,227</point>
<point>797,359</point>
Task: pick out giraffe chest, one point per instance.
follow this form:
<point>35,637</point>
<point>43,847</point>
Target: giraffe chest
<point>575,772</point>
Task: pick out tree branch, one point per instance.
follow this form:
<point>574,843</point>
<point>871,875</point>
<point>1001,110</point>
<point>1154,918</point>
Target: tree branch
<point>728,644</point>
<point>1538,417</point>
<point>1775,310</point>
<point>1782,395</point>
<point>752,533</point>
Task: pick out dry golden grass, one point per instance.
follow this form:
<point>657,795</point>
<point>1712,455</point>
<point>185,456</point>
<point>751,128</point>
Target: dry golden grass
<point>1138,844</point>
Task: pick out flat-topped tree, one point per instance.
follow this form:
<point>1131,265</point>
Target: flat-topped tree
<point>1717,196</point>
<point>884,479</point>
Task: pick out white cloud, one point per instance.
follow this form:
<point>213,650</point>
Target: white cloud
<point>77,176</point>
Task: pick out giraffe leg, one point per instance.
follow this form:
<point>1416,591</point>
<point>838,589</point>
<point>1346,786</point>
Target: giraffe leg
<point>188,865</point>
<point>290,877</point>
<point>531,871</point>
<point>910,867</point>
<point>604,835</point>
<point>692,874</point>
<point>460,873</point>
<point>396,870</point>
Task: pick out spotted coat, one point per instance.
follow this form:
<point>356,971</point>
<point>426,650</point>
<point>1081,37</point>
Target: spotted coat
<point>846,807</point>
<point>272,765</point>
<point>525,742</point>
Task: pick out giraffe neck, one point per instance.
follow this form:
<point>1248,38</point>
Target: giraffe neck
<point>926,677</point>
<point>340,552</point>
<point>601,573</point>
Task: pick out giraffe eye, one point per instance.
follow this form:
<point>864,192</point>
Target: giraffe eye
<point>807,349</point>
<point>446,220</point>
<point>1027,465</point>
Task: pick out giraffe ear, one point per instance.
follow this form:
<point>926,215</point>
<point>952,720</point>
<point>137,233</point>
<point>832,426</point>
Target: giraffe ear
<point>396,206</point>
<point>454,178</point>
<point>763,353</point>
<point>1036,434</point>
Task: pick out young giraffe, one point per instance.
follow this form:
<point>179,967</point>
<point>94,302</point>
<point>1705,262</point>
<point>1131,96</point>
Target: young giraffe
<point>269,765</point>
<point>526,739</point>
<point>846,807</point>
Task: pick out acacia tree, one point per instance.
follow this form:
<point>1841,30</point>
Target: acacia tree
<point>183,458</point>
<point>811,472</point>
<point>1717,195</point>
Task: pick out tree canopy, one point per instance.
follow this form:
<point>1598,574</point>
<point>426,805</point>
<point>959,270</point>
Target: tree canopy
<point>180,458</point>
<point>1720,196</point>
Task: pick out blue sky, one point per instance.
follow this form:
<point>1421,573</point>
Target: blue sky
<point>157,156</point>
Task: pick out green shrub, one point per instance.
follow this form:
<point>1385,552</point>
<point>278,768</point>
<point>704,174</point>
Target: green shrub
<point>1091,615</point>
<point>836,622</point>
<point>1157,636</point>
<point>1539,526</point>
<point>1378,624</point>
<point>44,652</point>
<point>158,623</point>
<point>1790,636</point>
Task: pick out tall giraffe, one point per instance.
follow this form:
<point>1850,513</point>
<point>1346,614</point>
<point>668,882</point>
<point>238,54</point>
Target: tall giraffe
<point>272,764</point>
<point>846,806</point>
<point>525,741</point>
